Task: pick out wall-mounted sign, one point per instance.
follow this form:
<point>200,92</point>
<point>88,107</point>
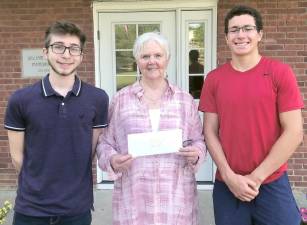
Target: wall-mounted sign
<point>33,63</point>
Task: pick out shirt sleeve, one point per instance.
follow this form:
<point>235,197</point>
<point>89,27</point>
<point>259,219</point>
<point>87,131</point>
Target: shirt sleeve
<point>106,147</point>
<point>102,105</point>
<point>207,101</point>
<point>14,117</point>
<point>288,93</point>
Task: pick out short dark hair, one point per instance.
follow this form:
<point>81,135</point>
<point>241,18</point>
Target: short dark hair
<point>62,28</point>
<point>194,55</point>
<point>244,10</point>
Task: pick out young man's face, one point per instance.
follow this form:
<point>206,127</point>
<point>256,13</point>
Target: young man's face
<point>64,62</point>
<point>242,37</point>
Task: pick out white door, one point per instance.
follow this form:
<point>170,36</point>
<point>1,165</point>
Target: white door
<point>197,60</point>
<point>117,33</point>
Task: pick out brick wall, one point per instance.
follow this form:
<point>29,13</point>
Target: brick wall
<point>285,38</point>
<point>22,25</point>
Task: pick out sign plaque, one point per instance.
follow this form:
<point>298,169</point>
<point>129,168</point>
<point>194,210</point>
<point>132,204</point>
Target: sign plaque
<point>33,63</point>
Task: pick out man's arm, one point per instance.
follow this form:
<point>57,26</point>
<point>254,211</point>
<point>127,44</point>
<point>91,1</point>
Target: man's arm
<point>242,187</point>
<point>16,144</point>
<point>96,133</point>
<point>284,147</point>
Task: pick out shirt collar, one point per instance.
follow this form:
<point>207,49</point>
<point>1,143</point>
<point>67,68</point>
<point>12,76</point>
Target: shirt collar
<point>138,90</point>
<point>48,90</point>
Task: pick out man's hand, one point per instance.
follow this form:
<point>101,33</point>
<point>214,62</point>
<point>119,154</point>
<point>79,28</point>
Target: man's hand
<point>256,179</point>
<point>243,187</point>
<point>121,163</point>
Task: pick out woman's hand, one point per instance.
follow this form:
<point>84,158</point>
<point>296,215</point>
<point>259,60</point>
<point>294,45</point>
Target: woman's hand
<point>190,153</point>
<point>121,163</point>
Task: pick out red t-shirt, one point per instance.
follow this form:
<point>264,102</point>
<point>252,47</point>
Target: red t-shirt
<point>248,104</point>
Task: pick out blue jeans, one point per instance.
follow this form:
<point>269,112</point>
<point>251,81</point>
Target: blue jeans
<point>274,205</point>
<point>82,219</point>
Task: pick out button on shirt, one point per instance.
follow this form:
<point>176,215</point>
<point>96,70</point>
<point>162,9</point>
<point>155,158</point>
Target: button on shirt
<point>56,175</point>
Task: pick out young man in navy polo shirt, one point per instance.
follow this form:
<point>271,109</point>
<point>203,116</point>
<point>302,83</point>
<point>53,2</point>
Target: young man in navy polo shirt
<point>53,127</point>
<point>252,125</point>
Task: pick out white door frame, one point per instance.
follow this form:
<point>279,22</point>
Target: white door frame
<point>156,6</point>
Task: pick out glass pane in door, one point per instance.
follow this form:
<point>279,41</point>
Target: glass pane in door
<point>196,35</point>
<point>143,28</point>
<point>125,68</point>
<point>125,35</point>
<point>196,58</point>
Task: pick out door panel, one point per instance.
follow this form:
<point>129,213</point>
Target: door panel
<point>118,32</point>
<point>117,67</point>
<point>197,58</point>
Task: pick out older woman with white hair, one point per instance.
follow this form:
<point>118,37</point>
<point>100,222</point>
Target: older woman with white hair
<point>156,188</point>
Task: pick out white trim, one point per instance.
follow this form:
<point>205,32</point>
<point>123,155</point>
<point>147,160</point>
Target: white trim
<point>44,88</point>
<point>98,126</point>
<point>214,59</point>
<point>152,5</point>
<point>178,45</point>
<point>80,83</point>
<point>14,128</point>
<point>105,186</point>
<point>214,37</point>
<point>205,187</point>
<point>96,46</point>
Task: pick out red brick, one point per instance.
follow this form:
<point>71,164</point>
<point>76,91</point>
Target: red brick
<point>297,155</point>
<point>300,184</point>
<point>302,4</point>
<point>297,35</point>
<point>300,172</point>
<point>293,59</point>
<point>293,47</point>
<point>8,182</point>
<point>274,47</point>
<point>295,178</point>
<point>8,171</point>
<point>287,28</point>
<point>303,161</point>
<point>290,172</point>
<point>300,65</point>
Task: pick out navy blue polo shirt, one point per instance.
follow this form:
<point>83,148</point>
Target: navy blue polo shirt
<point>56,175</point>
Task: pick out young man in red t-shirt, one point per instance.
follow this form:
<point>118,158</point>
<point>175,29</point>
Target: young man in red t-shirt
<point>252,125</point>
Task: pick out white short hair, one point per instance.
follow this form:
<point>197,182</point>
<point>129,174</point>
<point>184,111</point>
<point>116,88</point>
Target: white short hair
<point>150,36</point>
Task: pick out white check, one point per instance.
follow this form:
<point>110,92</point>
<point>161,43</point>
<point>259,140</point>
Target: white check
<point>152,143</point>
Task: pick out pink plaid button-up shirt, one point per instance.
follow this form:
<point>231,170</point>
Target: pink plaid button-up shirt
<point>157,189</point>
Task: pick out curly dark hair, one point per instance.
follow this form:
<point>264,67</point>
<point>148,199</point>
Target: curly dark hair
<point>244,10</point>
